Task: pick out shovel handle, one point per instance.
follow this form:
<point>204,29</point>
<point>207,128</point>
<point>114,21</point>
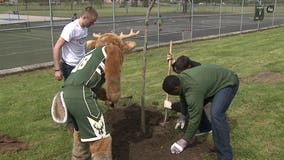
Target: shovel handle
<point>169,73</point>
<point>169,65</point>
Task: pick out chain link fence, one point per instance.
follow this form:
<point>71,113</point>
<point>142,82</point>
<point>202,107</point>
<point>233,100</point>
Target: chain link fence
<point>28,32</point>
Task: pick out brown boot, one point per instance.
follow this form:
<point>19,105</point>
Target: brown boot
<point>101,149</point>
<point>80,150</point>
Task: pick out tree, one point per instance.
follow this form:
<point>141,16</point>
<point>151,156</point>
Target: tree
<point>143,123</point>
<point>184,6</point>
<point>146,3</point>
<point>134,3</point>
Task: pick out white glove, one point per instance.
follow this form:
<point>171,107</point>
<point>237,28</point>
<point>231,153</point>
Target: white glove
<point>167,104</point>
<point>170,57</point>
<point>180,122</point>
<point>178,146</point>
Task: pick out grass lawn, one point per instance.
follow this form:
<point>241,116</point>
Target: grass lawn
<point>255,116</point>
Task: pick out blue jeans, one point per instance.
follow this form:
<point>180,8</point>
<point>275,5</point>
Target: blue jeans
<point>204,125</point>
<point>220,126</point>
<point>66,70</point>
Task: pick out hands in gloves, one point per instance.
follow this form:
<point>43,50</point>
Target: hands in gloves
<point>170,57</point>
<point>167,104</point>
<point>179,146</point>
<point>180,122</point>
<point>109,103</point>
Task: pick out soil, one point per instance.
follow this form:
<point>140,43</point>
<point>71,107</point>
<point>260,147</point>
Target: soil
<point>8,144</point>
<point>266,77</point>
<point>130,143</point>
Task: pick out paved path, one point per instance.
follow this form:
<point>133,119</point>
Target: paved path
<point>15,18</point>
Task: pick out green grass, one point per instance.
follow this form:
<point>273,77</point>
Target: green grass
<point>255,116</point>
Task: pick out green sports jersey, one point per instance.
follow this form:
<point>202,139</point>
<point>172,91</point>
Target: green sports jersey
<point>197,84</point>
<point>90,69</point>
<point>86,77</point>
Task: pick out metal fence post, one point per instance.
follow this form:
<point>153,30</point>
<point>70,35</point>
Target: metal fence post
<point>191,20</point>
<point>157,22</point>
<point>51,24</point>
<point>242,15</point>
<point>275,7</point>
<point>113,16</point>
<point>220,17</point>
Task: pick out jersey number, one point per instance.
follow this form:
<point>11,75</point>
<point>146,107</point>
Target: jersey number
<point>82,63</point>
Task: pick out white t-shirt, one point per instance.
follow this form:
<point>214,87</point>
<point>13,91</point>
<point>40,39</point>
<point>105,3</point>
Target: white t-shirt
<point>76,37</point>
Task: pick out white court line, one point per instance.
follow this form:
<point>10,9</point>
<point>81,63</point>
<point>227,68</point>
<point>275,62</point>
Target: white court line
<point>25,18</point>
<point>28,52</point>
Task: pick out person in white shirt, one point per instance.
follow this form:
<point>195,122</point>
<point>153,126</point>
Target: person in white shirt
<point>70,46</point>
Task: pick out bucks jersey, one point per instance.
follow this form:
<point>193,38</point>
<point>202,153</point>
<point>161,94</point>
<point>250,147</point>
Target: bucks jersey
<point>78,96</point>
<point>90,70</point>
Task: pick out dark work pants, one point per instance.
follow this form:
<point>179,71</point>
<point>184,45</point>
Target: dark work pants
<point>66,70</point>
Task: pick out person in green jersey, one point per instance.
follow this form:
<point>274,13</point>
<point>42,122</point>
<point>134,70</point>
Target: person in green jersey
<point>99,68</point>
<point>193,86</point>
<point>78,91</point>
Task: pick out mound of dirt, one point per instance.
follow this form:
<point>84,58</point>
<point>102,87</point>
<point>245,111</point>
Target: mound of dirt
<point>8,144</point>
<point>266,77</point>
<point>129,143</point>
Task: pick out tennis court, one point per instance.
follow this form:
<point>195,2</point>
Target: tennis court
<point>27,40</point>
<point>18,18</point>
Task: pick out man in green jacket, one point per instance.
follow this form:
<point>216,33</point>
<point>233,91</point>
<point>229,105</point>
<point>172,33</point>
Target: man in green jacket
<point>194,86</point>
<point>180,64</point>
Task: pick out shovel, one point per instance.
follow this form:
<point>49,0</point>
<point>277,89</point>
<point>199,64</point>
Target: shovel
<point>169,73</point>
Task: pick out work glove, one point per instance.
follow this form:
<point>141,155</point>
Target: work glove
<point>180,122</point>
<point>167,104</point>
<point>170,57</point>
<point>179,146</point>
<point>109,103</point>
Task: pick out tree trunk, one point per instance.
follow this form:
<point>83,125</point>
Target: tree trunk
<point>143,123</point>
<point>184,6</point>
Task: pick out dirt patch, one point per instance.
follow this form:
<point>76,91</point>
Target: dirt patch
<point>129,143</point>
<point>266,77</point>
<point>8,144</point>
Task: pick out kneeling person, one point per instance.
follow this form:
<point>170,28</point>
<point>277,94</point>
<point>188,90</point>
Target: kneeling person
<point>193,86</point>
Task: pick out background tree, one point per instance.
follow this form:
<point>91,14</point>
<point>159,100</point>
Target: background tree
<point>134,3</point>
<point>184,6</point>
<point>145,3</point>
